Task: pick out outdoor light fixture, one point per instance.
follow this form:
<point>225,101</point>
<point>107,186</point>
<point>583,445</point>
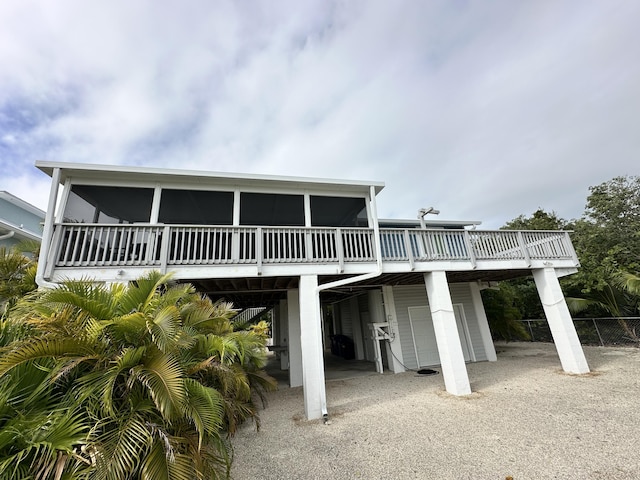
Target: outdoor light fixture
<point>425,211</point>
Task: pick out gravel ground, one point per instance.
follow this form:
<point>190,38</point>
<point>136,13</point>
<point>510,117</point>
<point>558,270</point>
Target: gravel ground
<point>525,419</point>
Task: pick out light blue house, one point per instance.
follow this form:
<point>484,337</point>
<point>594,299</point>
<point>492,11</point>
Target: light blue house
<point>19,220</point>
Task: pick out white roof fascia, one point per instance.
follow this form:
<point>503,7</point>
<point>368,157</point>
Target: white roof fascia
<point>6,227</point>
<point>18,202</point>
<point>124,172</point>
<point>431,223</point>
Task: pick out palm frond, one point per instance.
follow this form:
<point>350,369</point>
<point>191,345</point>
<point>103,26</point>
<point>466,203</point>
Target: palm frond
<point>130,328</point>
<point>119,444</point>
<point>164,327</point>
<point>204,406</point>
<point>163,378</point>
<point>164,462</point>
<point>630,282</point>
<point>38,348</point>
<point>209,317</point>
<point>223,348</point>
<point>139,294</point>
<point>96,300</point>
<point>102,383</point>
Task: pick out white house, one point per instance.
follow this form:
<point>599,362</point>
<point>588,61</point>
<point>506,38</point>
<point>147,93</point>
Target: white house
<point>406,292</point>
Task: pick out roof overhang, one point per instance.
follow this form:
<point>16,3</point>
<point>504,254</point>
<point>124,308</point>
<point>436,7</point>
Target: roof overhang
<point>18,202</point>
<point>129,173</point>
<point>410,223</point>
<point>20,233</point>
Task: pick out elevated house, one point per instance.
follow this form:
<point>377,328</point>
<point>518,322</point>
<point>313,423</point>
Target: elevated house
<point>19,220</point>
<point>406,292</point>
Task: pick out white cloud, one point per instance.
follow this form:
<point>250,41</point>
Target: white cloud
<point>484,110</point>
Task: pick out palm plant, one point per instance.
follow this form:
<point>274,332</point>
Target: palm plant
<point>155,371</point>
<point>17,276</point>
<point>619,297</point>
<point>630,282</point>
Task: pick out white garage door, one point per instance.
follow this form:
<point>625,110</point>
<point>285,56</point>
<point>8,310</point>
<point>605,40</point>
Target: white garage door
<point>424,338</point>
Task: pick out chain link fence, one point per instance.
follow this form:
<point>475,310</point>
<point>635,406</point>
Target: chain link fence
<point>605,331</point>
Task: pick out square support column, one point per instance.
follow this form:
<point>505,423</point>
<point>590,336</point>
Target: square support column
<point>315,398</point>
<point>295,347</point>
<point>560,322</point>
<point>454,370</point>
<point>483,323</point>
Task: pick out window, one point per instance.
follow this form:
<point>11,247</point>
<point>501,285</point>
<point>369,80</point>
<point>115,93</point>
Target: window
<point>338,212</point>
<point>271,209</point>
<point>196,207</point>
<point>99,204</point>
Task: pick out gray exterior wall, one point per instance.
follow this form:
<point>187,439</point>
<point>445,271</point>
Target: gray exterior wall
<point>24,220</point>
<point>406,297</point>
<point>416,296</point>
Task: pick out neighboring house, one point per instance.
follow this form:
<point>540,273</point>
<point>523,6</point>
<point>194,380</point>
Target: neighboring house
<point>19,220</point>
<point>406,292</point>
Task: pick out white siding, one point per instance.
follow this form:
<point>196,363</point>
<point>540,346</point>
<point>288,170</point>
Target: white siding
<point>405,297</point>
<point>461,293</point>
<point>416,296</point>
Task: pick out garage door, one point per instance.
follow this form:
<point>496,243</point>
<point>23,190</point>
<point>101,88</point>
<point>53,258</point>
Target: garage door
<point>424,337</point>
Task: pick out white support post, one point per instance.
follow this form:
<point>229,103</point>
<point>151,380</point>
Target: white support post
<point>295,346</point>
<point>560,322</point>
<point>394,349</point>
<point>315,398</point>
<point>46,259</point>
<point>454,370</point>
<point>377,353</point>
<point>483,323</point>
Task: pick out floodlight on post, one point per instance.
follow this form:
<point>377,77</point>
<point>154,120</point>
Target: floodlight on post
<point>425,211</point>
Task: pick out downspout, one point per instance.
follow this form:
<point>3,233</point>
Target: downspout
<point>47,232</point>
<point>7,235</point>
<point>365,276</point>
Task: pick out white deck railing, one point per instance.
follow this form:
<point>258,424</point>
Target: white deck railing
<point>92,245</point>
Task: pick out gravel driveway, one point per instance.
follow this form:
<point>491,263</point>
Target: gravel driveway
<point>525,419</point>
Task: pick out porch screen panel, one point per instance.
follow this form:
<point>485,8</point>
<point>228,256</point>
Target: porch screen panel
<point>196,207</point>
<point>271,209</point>
<point>108,205</point>
<point>338,211</point>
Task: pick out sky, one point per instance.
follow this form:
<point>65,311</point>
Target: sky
<point>483,110</point>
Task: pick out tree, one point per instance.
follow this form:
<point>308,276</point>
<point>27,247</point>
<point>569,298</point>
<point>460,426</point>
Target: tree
<point>607,237</point>
<point>539,220</point>
<point>518,298</point>
<point>145,380</point>
<point>504,313</point>
<point>619,298</point>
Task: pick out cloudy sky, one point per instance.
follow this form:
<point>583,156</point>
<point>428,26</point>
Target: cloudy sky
<point>482,109</point>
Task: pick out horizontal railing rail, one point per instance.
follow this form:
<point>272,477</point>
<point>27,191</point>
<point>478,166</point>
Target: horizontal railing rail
<point>415,245</point>
<point>98,245</point>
